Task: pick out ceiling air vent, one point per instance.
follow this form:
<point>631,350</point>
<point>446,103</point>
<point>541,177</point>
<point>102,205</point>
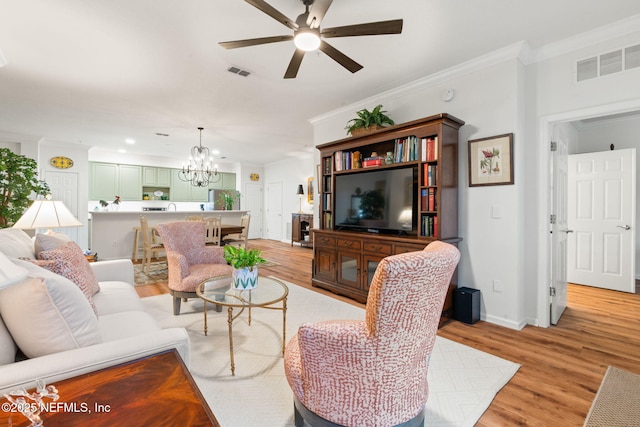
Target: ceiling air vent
<point>238,71</point>
<point>608,63</point>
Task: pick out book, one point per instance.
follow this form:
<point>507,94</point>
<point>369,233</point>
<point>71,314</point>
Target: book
<point>431,199</point>
<point>434,231</point>
<point>373,162</point>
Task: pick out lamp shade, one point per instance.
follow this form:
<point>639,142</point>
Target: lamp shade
<point>47,214</point>
<point>10,274</point>
<point>300,190</point>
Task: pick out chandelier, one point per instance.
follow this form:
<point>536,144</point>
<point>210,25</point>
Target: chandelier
<point>200,169</point>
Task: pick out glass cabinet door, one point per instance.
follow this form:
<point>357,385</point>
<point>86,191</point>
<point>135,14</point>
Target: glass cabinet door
<point>370,264</point>
<point>349,269</point>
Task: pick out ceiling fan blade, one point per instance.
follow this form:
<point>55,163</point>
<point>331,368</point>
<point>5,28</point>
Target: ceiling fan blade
<point>253,42</point>
<point>317,12</point>
<point>340,57</point>
<point>370,29</point>
<point>294,65</point>
<point>273,12</point>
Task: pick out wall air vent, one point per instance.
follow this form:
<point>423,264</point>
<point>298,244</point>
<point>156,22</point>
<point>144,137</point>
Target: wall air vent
<point>587,69</point>
<point>608,63</point>
<point>238,71</point>
<point>632,57</point>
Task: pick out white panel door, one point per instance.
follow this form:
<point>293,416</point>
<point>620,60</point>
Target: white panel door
<point>559,228</point>
<point>253,202</point>
<point>64,186</point>
<point>602,212</point>
<point>274,210</point>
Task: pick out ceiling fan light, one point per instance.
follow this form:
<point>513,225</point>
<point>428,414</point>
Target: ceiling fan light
<point>307,40</point>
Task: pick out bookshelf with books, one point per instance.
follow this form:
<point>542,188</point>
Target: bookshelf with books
<point>343,255</point>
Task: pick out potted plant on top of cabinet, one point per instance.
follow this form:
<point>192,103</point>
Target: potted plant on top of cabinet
<point>368,121</point>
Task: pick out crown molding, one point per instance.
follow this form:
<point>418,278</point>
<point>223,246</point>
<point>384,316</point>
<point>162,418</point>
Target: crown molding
<point>589,38</point>
<point>519,50</point>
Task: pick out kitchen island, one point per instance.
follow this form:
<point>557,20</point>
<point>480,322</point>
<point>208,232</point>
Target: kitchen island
<point>112,234</point>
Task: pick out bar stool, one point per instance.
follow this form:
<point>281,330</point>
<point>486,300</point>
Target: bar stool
<point>150,247</point>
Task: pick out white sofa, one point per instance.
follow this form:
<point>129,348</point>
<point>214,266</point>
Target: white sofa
<point>117,330</point>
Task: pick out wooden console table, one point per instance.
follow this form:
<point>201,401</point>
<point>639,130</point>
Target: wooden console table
<point>301,225</point>
<point>152,391</point>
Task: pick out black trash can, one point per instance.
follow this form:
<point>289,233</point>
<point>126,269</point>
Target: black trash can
<point>466,305</point>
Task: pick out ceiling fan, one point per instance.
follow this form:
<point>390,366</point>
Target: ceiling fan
<point>307,34</point>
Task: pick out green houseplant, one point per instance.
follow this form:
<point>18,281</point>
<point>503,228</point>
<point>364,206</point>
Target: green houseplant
<point>245,266</point>
<point>228,198</point>
<point>367,119</point>
<point>18,180</point>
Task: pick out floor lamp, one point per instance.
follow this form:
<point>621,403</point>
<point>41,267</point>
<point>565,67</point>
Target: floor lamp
<point>300,193</point>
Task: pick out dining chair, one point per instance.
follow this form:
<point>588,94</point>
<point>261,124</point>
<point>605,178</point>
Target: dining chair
<point>212,230</point>
<point>194,218</point>
<point>241,239</point>
<point>150,247</point>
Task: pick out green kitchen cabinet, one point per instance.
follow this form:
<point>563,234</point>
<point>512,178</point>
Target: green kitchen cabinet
<point>225,181</point>
<point>108,180</point>
<point>156,177</point>
<point>103,184</point>
<point>182,191</point>
<point>130,182</point>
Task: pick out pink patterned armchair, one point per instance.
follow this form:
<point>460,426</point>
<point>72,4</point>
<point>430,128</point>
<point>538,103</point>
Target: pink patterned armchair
<point>374,372</point>
<point>189,260</point>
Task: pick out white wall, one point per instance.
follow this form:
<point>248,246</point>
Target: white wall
<point>489,100</point>
<point>41,152</point>
<point>554,96</point>
<point>495,97</point>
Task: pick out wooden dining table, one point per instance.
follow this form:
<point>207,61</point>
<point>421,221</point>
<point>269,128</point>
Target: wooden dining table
<point>226,229</point>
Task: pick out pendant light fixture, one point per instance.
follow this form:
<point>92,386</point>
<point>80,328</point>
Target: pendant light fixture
<point>200,169</point>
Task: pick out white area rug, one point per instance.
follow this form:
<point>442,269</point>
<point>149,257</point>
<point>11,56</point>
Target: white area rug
<point>462,381</point>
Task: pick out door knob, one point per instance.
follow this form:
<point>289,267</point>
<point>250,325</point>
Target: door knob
<point>625,227</point>
<point>567,231</point>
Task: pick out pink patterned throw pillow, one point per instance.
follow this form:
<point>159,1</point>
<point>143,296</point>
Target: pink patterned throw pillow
<point>71,263</point>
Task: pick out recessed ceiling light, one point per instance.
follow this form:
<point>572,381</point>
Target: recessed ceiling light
<point>215,152</point>
<point>130,141</point>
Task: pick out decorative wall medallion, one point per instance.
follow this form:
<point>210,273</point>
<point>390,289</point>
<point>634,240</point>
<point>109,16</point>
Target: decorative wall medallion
<point>61,162</point>
<point>254,177</point>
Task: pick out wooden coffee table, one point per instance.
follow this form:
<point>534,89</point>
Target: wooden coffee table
<point>218,291</point>
<point>152,391</point>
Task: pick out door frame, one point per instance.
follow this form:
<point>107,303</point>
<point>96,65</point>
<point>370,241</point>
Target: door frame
<point>545,123</point>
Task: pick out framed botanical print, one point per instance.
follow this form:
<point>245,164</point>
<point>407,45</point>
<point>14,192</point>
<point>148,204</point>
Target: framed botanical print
<point>491,161</point>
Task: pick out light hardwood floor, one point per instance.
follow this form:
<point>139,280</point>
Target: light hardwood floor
<point>561,367</point>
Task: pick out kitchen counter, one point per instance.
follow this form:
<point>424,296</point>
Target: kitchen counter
<point>111,234</point>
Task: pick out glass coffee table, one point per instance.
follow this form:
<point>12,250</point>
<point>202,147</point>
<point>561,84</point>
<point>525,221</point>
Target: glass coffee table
<point>268,293</point>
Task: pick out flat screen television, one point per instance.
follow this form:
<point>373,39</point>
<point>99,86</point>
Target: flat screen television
<point>379,201</point>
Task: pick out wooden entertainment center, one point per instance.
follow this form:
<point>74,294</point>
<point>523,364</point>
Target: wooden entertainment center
<point>345,258</point>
